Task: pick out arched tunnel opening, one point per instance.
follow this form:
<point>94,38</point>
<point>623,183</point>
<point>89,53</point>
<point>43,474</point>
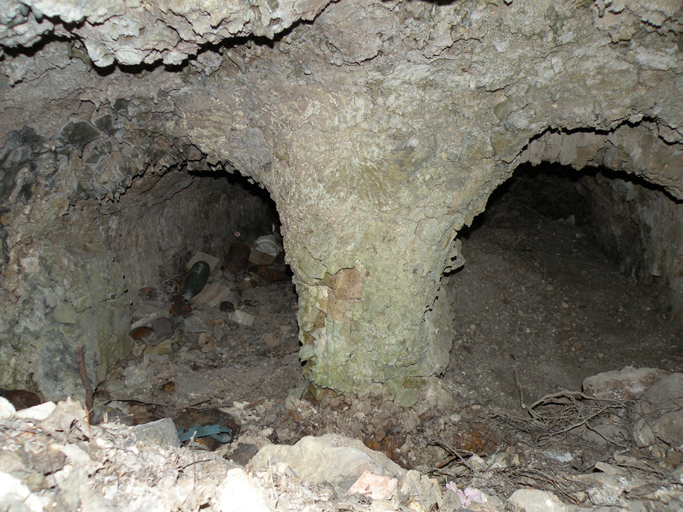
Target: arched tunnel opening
<point>134,141</point>
<point>566,277</point>
<point>233,338</point>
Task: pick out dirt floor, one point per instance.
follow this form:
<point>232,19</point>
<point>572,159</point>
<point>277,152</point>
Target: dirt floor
<point>538,309</point>
<point>539,299</point>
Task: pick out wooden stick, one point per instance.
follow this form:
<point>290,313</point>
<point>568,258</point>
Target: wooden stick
<point>86,383</point>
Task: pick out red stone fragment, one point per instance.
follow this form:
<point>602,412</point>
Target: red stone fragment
<point>20,398</point>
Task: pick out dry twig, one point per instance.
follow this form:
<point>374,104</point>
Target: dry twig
<point>563,411</point>
<point>454,455</point>
<point>86,382</point>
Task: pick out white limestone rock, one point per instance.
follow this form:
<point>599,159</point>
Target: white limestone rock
<point>534,500</point>
<point>6,409</point>
<point>625,384</point>
<point>240,493</point>
<point>331,458</point>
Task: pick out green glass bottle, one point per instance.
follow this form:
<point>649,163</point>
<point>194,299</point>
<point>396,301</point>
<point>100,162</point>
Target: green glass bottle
<point>195,280</point>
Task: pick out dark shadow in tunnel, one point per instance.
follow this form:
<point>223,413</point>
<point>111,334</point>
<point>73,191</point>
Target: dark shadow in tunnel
<point>559,284</point>
<point>556,192</point>
<point>269,218</point>
<point>236,339</point>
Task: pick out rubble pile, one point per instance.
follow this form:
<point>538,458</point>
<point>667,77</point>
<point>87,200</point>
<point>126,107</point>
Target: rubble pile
<point>52,458</point>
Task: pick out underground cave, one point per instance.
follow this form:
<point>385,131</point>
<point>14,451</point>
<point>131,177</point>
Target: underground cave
<point>380,131</point>
<point>376,150</point>
<point>564,281</point>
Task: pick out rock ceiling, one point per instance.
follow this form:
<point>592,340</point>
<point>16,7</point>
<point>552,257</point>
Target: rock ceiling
<point>379,129</point>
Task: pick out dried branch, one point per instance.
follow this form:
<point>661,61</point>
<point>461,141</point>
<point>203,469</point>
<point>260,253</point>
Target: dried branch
<point>544,438</point>
<point>454,455</point>
<point>86,382</point>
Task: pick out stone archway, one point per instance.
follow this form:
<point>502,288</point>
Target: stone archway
<point>641,149</point>
<point>379,129</point>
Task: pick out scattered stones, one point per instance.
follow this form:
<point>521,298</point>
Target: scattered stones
<point>81,460</point>
<point>67,420</point>
<point>226,357</point>
<point>161,349</point>
<point>18,497</point>
<point>420,490</point>
<point>606,489</point>
<point>317,472</point>
<point>195,324</point>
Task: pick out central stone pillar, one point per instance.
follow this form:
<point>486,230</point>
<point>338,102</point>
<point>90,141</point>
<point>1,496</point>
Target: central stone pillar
<point>368,235</point>
<point>370,320</point>
<point>369,215</point>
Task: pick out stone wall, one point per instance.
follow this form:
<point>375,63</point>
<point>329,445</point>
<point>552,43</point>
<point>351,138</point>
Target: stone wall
<point>379,129</point>
<point>641,227</point>
<point>160,223</point>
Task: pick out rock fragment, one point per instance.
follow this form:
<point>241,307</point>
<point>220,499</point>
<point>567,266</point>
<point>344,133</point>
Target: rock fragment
<point>534,500</point>
<point>239,493</point>
<point>658,416</point>
<point>626,384</point>
<point>331,458</point>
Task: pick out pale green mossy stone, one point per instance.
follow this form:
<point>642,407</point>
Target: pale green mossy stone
<point>408,397</point>
<point>306,352</point>
<point>503,108</point>
<point>66,313</point>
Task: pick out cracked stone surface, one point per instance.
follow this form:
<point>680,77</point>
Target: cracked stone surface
<point>140,32</point>
<point>378,128</point>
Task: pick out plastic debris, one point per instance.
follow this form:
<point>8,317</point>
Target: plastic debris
<point>468,496</point>
<point>247,236</point>
<point>222,435</point>
<point>265,250</point>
